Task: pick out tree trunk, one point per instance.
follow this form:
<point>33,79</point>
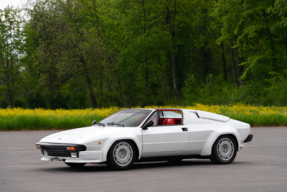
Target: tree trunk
<point>101,87</point>
<point>205,62</point>
<point>146,80</point>
<point>7,78</point>
<point>172,33</point>
<point>162,74</point>
<point>11,99</point>
<point>121,92</point>
<point>271,42</point>
<point>114,82</point>
<point>233,63</point>
<point>240,68</point>
<point>101,79</point>
<point>113,73</point>
<point>174,72</point>
<point>89,82</point>
<point>223,61</point>
<point>110,79</point>
<point>167,85</point>
<point>190,60</point>
<point>145,56</point>
<point>11,83</point>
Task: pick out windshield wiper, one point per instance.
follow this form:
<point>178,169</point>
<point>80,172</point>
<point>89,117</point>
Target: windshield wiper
<point>113,123</point>
<point>122,125</point>
<point>101,124</point>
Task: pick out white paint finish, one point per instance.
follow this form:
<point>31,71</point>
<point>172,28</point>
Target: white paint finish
<point>91,155</point>
<point>84,157</point>
<point>188,116</point>
<point>160,139</point>
<point>212,116</point>
<point>156,141</point>
<point>199,133</point>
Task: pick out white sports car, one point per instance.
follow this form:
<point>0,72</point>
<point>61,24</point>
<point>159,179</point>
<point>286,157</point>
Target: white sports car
<point>148,135</point>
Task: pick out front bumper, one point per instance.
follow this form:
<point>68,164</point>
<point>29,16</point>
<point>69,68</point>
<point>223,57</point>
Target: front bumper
<point>248,139</point>
<point>84,157</point>
<point>59,151</point>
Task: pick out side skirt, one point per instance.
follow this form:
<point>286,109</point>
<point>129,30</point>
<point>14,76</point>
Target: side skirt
<point>167,158</point>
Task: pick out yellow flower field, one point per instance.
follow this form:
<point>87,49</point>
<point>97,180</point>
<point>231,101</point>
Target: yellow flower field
<point>104,112</point>
<point>60,113</point>
<point>34,119</point>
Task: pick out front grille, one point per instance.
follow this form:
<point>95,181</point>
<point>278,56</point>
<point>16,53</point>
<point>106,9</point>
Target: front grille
<point>59,151</point>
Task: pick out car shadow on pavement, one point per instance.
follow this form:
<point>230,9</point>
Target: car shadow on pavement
<point>165,164</point>
<point>137,166</point>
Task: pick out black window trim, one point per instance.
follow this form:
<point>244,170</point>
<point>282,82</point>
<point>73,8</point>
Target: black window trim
<point>156,111</point>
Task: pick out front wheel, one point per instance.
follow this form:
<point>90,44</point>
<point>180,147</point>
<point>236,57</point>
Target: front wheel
<point>121,155</point>
<point>224,150</point>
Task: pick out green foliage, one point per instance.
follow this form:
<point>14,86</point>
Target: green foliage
<point>20,102</point>
<point>86,53</point>
<point>11,47</point>
<point>191,90</point>
<point>3,102</point>
<point>36,101</point>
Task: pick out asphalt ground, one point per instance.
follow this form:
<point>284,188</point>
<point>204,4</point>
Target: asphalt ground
<point>260,166</point>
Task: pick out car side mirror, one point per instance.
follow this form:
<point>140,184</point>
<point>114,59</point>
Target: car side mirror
<point>94,122</point>
<point>148,124</point>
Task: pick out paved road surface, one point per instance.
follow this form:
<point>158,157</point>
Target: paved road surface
<point>261,166</point>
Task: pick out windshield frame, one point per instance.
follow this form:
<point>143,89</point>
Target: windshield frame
<point>135,111</point>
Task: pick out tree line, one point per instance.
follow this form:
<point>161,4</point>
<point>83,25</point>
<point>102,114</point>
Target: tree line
<point>100,53</point>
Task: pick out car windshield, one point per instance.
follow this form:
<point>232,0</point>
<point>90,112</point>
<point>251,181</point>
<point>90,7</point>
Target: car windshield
<point>127,118</point>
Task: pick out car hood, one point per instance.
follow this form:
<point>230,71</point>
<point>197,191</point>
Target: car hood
<point>78,135</point>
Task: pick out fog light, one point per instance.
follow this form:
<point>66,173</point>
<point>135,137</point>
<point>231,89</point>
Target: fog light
<point>74,155</point>
<point>46,153</point>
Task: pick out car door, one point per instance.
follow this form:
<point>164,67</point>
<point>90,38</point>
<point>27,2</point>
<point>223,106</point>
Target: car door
<point>161,140</point>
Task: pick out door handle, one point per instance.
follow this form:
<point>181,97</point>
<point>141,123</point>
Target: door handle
<point>184,129</point>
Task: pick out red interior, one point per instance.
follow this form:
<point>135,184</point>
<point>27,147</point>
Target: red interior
<point>170,121</point>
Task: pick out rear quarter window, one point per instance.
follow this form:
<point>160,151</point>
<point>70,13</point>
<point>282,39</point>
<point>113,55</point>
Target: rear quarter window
<point>170,114</point>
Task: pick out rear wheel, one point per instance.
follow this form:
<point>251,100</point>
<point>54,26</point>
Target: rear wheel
<point>75,165</point>
<point>224,150</point>
<point>121,155</point>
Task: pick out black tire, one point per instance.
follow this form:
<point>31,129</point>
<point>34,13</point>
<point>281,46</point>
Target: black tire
<point>121,155</point>
<point>75,165</point>
<point>224,150</point>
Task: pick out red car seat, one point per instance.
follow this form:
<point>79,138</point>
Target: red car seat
<point>169,122</point>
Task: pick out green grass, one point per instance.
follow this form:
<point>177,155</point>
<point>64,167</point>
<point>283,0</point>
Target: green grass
<point>260,120</point>
<point>45,123</point>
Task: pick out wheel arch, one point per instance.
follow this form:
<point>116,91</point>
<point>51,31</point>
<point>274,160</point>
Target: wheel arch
<point>231,135</point>
<point>207,149</point>
<point>131,140</point>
